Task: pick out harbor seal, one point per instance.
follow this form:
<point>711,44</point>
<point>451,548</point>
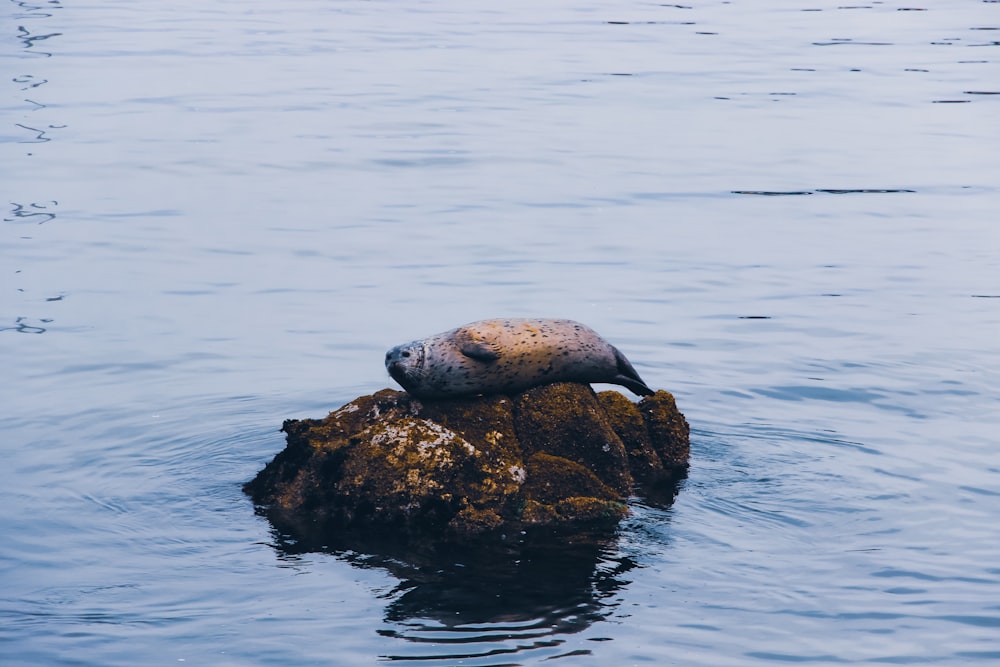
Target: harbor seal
<point>505,356</point>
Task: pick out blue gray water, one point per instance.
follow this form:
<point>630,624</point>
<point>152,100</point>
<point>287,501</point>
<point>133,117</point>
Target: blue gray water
<point>219,215</point>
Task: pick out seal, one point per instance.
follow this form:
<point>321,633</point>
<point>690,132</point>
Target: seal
<point>504,356</point>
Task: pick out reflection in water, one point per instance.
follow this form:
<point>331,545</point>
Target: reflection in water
<point>21,326</point>
<point>492,602</point>
<point>481,600</point>
<point>34,212</point>
<point>40,133</point>
<point>35,131</point>
<point>829,191</point>
<point>29,39</point>
<point>37,9</point>
<point>29,81</point>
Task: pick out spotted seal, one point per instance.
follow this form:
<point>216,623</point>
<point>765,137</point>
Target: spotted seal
<point>505,356</point>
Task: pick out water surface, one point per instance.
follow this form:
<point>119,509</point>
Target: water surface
<point>220,215</point>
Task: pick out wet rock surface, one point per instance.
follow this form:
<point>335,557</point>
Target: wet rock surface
<point>555,456</point>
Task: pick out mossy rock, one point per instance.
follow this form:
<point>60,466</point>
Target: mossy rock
<point>668,430</point>
<point>655,434</point>
<point>556,455</point>
<point>566,420</point>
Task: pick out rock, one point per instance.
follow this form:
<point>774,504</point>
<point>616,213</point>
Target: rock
<point>566,421</point>
<point>556,455</point>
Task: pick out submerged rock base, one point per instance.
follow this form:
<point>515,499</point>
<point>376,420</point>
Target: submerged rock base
<point>558,455</point>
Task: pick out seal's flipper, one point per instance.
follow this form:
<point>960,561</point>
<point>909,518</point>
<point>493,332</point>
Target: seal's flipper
<point>637,387</point>
<point>475,346</point>
<point>627,376</point>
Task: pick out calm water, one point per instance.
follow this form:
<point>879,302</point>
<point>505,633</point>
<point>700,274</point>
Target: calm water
<point>219,215</point>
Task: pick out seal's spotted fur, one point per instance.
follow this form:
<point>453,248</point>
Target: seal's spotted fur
<point>507,356</point>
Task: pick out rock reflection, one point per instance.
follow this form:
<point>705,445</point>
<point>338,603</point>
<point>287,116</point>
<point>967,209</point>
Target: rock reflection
<point>29,39</point>
<point>37,10</point>
<point>491,598</point>
<point>34,212</point>
<point>21,326</point>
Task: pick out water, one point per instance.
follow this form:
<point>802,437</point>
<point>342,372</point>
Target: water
<point>219,215</point>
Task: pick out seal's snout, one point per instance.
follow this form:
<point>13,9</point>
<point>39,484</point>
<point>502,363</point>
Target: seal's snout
<point>396,355</point>
<point>401,361</point>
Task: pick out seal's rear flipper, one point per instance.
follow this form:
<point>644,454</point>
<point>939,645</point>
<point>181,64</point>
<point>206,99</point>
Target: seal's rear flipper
<point>637,387</point>
<point>628,378</point>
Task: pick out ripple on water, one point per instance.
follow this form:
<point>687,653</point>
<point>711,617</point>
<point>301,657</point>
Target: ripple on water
<point>486,604</point>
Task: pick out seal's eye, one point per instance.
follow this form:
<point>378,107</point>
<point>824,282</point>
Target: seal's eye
<point>406,354</point>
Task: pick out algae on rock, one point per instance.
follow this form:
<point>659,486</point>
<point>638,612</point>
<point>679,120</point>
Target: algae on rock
<point>555,455</point>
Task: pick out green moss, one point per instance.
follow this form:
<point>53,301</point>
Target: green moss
<point>587,509</point>
<point>552,478</point>
<point>473,521</point>
<point>552,456</point>
<point>565,419</point>
<point>628,423</point>
<point>668,430</point>
<point>559,491</point>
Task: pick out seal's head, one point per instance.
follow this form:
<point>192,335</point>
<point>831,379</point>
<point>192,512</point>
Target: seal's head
<point>405,363</point>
